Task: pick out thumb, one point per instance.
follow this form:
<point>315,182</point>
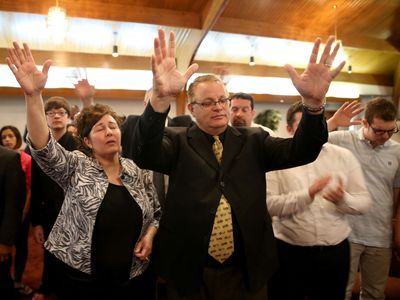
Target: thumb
<point>46,66</point>
<point>190,71</point>
<point>292,73</point>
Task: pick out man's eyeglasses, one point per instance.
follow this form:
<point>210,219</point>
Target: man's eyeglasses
<point>210,103</point>
<point>54,113</point>
<point>382,132</point>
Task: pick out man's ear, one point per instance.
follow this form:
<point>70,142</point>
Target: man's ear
<point>365,123</point>
<point>289,129</point>
<point>253,113</point>
<point>190,108</point>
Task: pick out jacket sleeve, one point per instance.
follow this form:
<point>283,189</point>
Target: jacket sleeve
<point>302,149</point>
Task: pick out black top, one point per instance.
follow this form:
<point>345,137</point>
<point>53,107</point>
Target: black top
<point>116,231</point>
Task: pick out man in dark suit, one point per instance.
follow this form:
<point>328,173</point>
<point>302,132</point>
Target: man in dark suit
<point>203,188</point>
<point>12,199</point>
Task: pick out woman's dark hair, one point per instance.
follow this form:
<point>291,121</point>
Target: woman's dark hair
<point>88,117</point>
<point>16,133</point>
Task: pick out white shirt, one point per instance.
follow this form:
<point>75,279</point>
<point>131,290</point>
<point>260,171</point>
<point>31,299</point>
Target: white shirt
<point>269,130</point>
<point>381,168</point>
<point>299,220</point>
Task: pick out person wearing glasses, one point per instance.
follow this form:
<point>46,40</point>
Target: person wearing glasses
<point>372,236</point>
<point>46,195</point>
<point>215,239</point>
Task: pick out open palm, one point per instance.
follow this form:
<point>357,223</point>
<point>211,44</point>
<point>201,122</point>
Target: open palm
<point>314,82</point>
<point>23,66</point>
<point>167,80</point>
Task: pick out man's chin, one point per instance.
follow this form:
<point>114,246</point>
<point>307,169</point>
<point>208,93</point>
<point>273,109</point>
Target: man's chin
<point>238,124</point>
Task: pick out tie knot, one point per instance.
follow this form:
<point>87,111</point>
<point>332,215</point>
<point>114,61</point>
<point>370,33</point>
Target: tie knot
<point>217,148</point>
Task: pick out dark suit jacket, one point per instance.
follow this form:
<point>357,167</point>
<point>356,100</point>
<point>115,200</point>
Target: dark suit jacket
<point>196,183</point>
<point>128,128</point>
<point>12,195</point>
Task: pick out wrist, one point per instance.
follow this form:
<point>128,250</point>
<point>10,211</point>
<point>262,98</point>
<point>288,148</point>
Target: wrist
<point>314,109</point>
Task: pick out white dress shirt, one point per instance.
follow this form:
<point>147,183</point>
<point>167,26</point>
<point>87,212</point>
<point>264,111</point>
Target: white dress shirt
<point>300,220</point>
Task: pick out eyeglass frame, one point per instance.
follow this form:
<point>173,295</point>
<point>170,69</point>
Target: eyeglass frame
<point>52,114</point>
<point>382,131</point>
<point>208,103</point>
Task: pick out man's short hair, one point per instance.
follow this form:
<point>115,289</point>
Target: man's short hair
<point>293,109</point>
<point>201,79</point>
<point>244,96</point>
<point>380,108</point>
<point>56,103</point>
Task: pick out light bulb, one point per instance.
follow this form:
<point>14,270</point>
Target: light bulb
<point>251,61</point>
<point>115,51</point>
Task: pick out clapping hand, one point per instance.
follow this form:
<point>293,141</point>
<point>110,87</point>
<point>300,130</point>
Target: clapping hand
<point>314,82</point>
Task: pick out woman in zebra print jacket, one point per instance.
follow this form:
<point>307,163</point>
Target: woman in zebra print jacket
<point>104,232</point>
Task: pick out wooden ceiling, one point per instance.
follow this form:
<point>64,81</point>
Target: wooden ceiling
<point>369,29</point>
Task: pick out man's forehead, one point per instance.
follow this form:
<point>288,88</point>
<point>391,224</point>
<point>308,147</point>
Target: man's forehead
<point>210,87</point>
<point>381,122</point>
<point>240,102</point>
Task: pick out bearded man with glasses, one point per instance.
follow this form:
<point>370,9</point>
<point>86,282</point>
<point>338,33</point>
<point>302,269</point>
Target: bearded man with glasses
<point>371,238</point>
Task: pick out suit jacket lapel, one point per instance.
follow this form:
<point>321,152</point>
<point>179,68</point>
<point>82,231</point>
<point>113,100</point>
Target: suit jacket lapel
<point>198,141</point>
<point>233,144</point>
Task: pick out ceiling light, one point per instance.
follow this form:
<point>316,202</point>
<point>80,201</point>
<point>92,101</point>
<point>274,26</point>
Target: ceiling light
<point>57,23</point>
<point>115,47</point>
<point>115,51</point>
<point>252,61</point>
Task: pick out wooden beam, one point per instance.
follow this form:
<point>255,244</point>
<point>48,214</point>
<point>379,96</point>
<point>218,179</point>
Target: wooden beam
<point>265,29</point>
<point>138,95</point>
<point>267,98</point>
<point>270,71</point>
<point>131,95</point>
<point>88,60</point>
<point>108,10</point>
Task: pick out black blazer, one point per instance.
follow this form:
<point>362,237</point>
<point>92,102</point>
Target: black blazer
<point>12,195</point>
<point>128,128</point>
<point>197,181</point>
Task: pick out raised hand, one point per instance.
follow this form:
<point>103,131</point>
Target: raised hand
<point>21,63</point>
<point>85,92</point>
<point>167,80</point>
<point>344,114</point>
<point>314,82</point>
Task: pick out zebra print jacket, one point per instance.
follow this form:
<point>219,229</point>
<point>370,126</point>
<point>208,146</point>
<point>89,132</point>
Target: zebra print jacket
<point>85,183</point>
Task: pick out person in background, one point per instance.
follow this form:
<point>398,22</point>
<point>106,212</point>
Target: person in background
<point>242,112</point>
<point>215,239</point>
<point>309,207</point>
<point>371,238</point>
<point>104,194</point>
<point>46,195</point>
<point>12,139</point>
<point>12,199</point>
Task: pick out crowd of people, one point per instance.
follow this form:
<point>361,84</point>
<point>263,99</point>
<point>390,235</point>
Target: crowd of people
<point>207,206</point>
